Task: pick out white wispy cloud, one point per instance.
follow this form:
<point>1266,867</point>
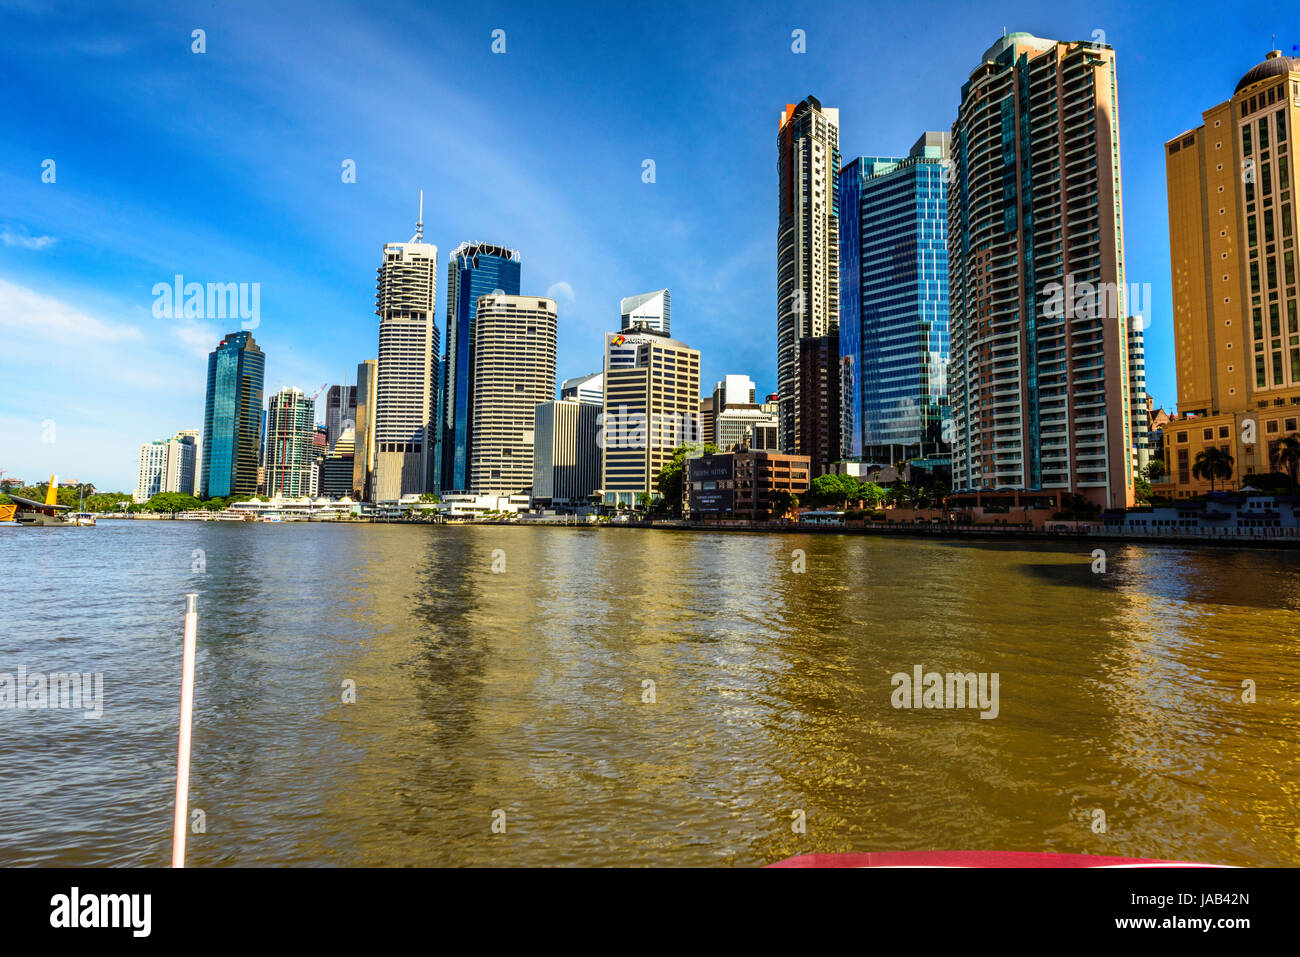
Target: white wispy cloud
<point>23,241</point>
<point>40,318</point>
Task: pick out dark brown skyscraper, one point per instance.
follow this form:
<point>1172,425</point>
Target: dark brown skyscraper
<point>819,400</point>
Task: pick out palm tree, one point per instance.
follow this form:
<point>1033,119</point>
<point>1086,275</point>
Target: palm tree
<point>1287,456</point>
<point>1212,463</point>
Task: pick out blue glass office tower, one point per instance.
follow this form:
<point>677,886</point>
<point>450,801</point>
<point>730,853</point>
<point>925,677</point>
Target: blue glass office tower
<point>473,270</point>
<point>894,304</point>
<point>232,417</point>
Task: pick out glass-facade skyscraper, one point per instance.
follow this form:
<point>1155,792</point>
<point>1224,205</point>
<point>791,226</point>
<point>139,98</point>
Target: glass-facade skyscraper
<point>232,417</point>
<point>894,303</point>
<point>473,270</point>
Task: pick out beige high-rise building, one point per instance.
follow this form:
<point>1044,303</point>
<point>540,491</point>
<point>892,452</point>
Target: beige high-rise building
<point>1038,306</point>
<point>652,406</point>
<point>407,368</point>
<point>514,372</point>
<point>1232,186</point>
<point>807,244</point>
<point>363,462</point>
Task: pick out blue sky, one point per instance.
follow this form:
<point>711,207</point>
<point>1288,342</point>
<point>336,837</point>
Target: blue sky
<point>225,167</point>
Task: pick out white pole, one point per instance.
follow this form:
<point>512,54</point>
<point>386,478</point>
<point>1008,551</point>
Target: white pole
<point>187,716</point>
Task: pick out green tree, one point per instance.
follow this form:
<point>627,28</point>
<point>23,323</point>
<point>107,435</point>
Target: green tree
<point>1155,470</point>
<point>1286,457</point>
<point>1142,490</point>
<point>430,497</point>
<point>1212,463</point>
<point>172,502</point>
<point>669,482</point>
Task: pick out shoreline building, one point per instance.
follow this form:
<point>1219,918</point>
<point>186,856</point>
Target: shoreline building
<point>291,449</point>
<point>894,348</point>
<point>750,485</point>
<point>363,462</point>
<point>566,455</point>
<point>1139,401</point>
<point>652,406</point>
<point>652,309</point>
<point>514,372</point>
<point>1037,300</point>
<point>232,417</point>
<point>1233,226</point>
<point>407,374</point>
<point>151,472</point>
<point>807,246</point>
<point>820,420</point>
<point>169,465</point>
<point>186,476</point>
<point>474,270</point>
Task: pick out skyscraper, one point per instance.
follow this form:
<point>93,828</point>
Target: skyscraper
<point>291,453</point>
<point>407,373</point>
<point>652,406</point>
<point>1038,312</point>
<point>819,401</point>
<point>1233,224</point>
<point>474,270</point>
<point>566,455</point>
<point>340,411</point>
<point>1138,398</point>
<point>653,309</point>
<point>232,417</point>
<point>184,470</point>
<point>363,463</point>
<point>152,471</point>
<point>514,372</point>
<point>807,244</point>
<point>894,303</point>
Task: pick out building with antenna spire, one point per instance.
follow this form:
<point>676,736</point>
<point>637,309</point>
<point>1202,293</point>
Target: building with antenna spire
<point>406,389</point>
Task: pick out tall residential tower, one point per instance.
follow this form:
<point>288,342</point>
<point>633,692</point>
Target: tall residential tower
<point>807,245</point>
<point>1038,307</point>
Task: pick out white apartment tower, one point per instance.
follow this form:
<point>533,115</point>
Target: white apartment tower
<point>407,370</point>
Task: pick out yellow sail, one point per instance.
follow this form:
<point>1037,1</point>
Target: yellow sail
<point>52,493</point>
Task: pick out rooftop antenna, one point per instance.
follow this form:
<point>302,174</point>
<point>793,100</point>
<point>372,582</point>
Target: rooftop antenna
<point>419,223</point>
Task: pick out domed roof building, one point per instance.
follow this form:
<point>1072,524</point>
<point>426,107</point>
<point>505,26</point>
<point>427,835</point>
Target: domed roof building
<point>1275,64</point>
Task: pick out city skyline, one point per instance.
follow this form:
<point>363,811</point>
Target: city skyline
<point>96,309</point>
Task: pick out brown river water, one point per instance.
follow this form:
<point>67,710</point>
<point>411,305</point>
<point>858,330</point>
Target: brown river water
<point>520,696</point>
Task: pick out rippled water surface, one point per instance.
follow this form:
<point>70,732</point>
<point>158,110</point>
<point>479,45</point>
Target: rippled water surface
<point>523,691</point>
